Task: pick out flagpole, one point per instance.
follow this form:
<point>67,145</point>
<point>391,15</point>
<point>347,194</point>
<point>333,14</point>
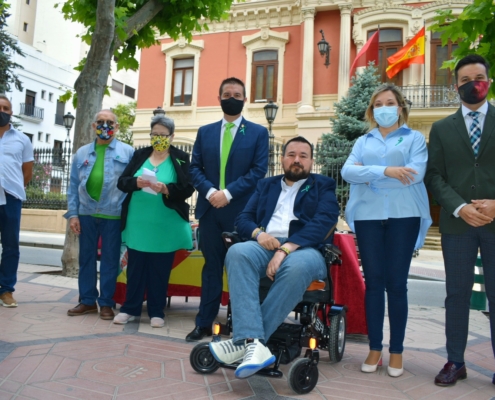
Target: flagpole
<point>424,70</point>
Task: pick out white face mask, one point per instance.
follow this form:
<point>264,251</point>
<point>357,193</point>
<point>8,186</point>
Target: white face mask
<point>386,116</point>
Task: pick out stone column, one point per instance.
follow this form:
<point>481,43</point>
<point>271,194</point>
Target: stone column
<point>345,48</point>
<point>308,54</point>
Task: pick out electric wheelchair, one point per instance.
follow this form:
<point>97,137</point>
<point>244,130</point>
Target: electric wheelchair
<point>322,327</point>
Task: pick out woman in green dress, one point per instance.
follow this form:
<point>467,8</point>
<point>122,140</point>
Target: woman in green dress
<point>155,221</point>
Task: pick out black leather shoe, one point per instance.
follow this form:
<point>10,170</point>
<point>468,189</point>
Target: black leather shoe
<point>449,375</point>
<point>198,333</point>
<point>493,379</point>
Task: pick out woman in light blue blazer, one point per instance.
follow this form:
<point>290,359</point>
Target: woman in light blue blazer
<point>389,212</point>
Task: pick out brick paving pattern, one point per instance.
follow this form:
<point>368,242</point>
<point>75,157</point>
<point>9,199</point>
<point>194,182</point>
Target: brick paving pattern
<point>45,354</point>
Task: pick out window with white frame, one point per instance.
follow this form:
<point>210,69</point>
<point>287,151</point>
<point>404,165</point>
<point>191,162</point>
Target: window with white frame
<point>182,82</point>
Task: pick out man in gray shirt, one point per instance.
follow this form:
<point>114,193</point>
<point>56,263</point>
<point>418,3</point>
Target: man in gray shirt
<point>16,170</point>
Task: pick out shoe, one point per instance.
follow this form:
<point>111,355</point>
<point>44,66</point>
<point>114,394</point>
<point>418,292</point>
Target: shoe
<point>7,300</point>
<point>371,368</point>
<point>122,318</point>
<point>493,379</point>
<point>227,352</point>
<point>396,372</point>
<point>106,313</point>
<point>157,322</point>
<point>198,333</point>
<point>449,375</point>
<point>257,357</point>
<point>82,309</point>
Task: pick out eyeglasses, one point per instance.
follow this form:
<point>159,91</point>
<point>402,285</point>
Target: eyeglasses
<point>108,122</point>
<point>157,134</point>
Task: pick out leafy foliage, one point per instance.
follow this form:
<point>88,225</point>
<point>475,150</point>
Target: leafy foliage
<point>126,114</point>
<point>138,22</point>
<point>349,121</point>
<point>473,30</point>
<point>8,46</point>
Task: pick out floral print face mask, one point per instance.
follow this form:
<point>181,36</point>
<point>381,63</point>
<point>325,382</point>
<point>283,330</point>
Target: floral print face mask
<point>160,143</point>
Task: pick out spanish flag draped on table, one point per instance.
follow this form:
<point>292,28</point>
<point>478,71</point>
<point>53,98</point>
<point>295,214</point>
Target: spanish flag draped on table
<point>412,53</point>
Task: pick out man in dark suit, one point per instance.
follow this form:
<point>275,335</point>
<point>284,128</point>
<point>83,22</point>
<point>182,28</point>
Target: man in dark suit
<point>229,158</point>
<point>289,219</point>
<point>461,177</point>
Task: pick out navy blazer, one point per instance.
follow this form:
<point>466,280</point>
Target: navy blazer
<point>315,207</point>
<point>246,165</point>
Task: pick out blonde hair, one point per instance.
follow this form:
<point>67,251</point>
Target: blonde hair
<point>404,114</point>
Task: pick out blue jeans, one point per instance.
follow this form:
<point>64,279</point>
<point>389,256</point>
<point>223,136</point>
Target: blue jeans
<point>386,248</point>
<point>147,272</point>
<point>246,263</point>
<point>109,230</point>
<point>10,225</point>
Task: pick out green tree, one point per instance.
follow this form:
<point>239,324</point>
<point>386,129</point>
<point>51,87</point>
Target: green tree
<point>115,30</point>
<point>8,46</point>
<point>473,30</point>
<point>126,114</point>
<point>349,120</point>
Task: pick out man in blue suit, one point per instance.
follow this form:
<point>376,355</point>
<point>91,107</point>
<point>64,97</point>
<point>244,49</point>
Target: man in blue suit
<point>288,219</point>
<point>229,158</point>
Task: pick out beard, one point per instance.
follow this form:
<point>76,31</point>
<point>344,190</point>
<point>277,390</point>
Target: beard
<point>295,175</point>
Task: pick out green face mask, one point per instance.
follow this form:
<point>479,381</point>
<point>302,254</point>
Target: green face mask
<point>160,143</point>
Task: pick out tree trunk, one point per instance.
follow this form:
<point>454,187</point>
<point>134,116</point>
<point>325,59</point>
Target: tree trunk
<point>90,88</point>
<point>70,256</point>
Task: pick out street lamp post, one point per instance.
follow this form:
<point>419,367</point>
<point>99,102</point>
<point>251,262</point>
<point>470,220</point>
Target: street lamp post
<point>68,122</point>
<point>270,113</point>
<point>158,112</point>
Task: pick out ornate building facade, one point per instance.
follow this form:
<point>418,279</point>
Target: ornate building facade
<point>272,46</point>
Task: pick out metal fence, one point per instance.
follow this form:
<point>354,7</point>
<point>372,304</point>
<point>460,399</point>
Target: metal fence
<point>427,96</point>
<point>48,188</point>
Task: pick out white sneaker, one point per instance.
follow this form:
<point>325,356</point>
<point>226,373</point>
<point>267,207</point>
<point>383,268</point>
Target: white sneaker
<point>257,356</point>
<point>157,322</point>
<point>122,318</point>
<point>227,352</point>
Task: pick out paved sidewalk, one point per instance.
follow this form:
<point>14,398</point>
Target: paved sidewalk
<point>45,354</point>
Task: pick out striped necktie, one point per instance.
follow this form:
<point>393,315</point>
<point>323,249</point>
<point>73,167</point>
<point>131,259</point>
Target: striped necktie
<point>226,145</point>
<point>475,131</point>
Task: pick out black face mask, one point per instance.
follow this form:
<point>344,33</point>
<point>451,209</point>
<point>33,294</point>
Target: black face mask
<point>232,106</point>
<point>473,92</point>
<point>4,119</point>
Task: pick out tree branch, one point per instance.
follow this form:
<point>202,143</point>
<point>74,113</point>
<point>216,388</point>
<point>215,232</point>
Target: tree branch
<point>140,19</point>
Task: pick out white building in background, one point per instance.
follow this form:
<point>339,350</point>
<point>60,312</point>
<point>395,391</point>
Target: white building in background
<point>37,107</point>
<point>53,48</point>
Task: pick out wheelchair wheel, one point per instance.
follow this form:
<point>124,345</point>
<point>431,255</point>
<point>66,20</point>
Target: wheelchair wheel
<point>303,376</point>
<point>337,336</point>
<point>202,360</point>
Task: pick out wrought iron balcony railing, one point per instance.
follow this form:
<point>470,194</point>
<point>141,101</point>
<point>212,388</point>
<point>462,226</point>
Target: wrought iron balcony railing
<point>428,96</point>
<point>29,110</point>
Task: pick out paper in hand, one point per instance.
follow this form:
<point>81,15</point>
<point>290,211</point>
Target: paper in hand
<point>150,176</point>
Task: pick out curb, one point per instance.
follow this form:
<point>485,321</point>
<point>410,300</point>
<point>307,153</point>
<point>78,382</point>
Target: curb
<point>44,245</point>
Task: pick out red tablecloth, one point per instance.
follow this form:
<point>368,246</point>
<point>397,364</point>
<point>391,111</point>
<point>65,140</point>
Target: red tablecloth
<point>349,285</point>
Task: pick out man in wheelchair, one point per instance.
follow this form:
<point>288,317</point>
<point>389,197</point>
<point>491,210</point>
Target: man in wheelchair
<point>288,220</point>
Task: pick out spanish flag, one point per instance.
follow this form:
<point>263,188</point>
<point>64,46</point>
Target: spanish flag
<point>412,53</point>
